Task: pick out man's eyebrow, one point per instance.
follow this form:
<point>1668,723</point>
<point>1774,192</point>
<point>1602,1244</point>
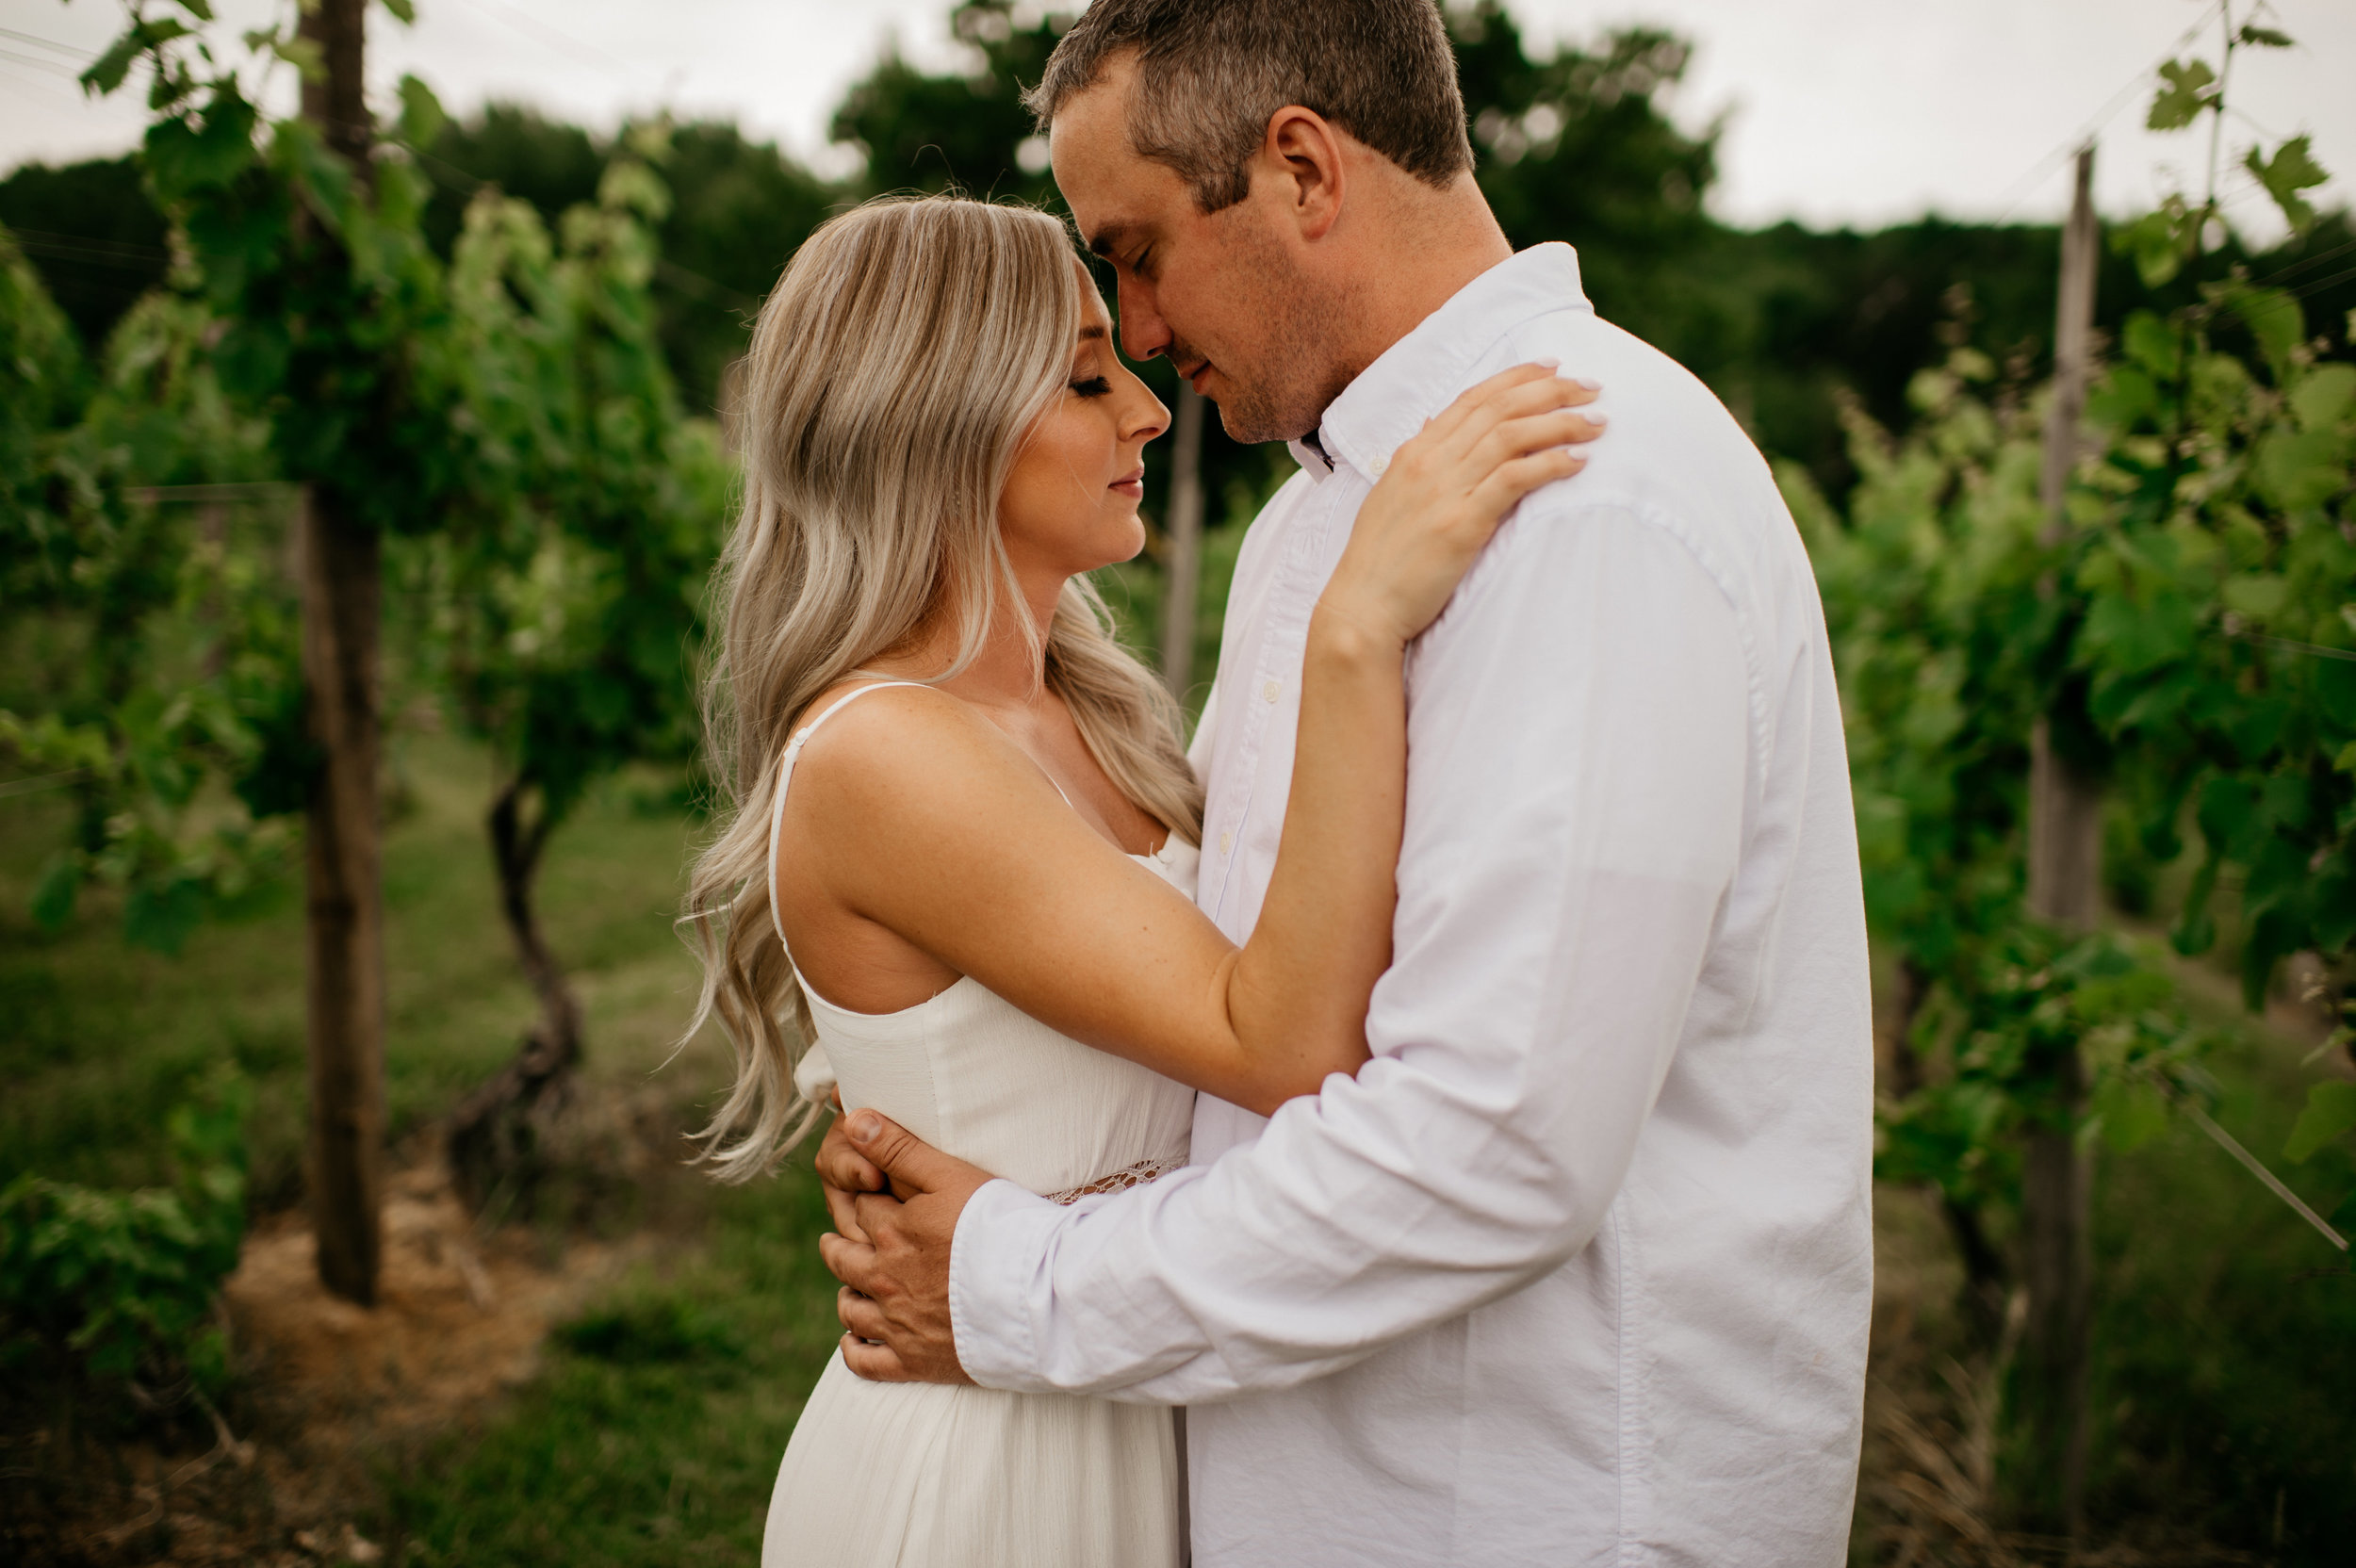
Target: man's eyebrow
<point>1107,239</point>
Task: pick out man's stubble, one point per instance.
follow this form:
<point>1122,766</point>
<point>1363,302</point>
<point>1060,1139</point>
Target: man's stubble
<point>1297,369</point>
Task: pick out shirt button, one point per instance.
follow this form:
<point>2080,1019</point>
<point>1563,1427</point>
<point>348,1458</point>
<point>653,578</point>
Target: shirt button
<point>1273,689</point>
<point>1378,466</point>
<point>1226,843</point>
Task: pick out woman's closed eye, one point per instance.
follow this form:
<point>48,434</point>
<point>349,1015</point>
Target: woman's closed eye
<point>1095,386</point>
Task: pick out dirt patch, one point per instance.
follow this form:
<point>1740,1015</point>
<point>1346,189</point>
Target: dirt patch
<point>460,1317</point>
<point>330,1392</point>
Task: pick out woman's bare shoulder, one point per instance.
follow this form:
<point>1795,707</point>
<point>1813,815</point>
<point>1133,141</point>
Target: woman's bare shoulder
<point>906,759</point>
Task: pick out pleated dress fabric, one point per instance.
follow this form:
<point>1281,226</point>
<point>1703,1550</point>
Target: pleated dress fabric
<point>919,1475</point>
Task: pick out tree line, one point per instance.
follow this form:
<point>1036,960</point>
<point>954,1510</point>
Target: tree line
<point>1785,323</point>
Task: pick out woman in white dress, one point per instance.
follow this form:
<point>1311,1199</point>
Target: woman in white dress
<point>983,867</point>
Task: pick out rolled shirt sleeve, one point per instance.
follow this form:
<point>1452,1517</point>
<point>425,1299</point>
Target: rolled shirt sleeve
<point>1582,737</point>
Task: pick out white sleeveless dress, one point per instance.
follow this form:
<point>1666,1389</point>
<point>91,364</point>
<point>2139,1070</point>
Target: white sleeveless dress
<point>921,1476</point>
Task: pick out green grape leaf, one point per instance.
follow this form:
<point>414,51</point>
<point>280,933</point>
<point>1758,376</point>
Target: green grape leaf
<point>2132,1112</point>
<point>197,8</point>
<point>2227,813</point>
<point>2297,469</point>
<point>2184,94</point>
<point>2275,320</point>
<point>421,113</point>
<point>2130,636</point>
<point>2260,596</point>
<point>2152,343</point>
<point>185,158</point>
<point>2335,691</point>
<point>304,54</point>
<point>2265,37</point>
<point>2324,397</point>
<point>107,73</point>
<point>2256,723</point>
<point>54,896</point>
<point>2277,933</point>
<point>161,918</point>
<point>2334,913</point>
<point>404,11</point>
<point>2330,1111</point>
<point>318,171</point>
<point>2123,400</point>
<point>2196,929</point>
<point>2292,170</point>
<point>2156,242</point>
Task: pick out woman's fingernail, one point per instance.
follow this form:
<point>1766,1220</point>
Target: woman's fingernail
<point>1590,385</point>
<point>1598,421</point>
<point>1549,361</point>
<point>864,1126</point>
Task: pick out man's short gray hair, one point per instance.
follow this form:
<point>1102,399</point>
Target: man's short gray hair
<point>1210,72</point>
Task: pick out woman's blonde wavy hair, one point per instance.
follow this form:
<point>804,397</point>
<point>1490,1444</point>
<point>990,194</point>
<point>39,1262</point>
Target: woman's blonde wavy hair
<point>893,375</point>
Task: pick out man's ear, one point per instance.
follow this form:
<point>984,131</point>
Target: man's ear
<point>1306,150</point>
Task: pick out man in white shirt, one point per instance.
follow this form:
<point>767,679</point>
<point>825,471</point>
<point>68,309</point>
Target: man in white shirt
<point>1578,1269</point>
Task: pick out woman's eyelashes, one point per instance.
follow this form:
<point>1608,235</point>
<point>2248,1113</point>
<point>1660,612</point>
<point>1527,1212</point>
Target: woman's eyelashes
<point>1095,386</point>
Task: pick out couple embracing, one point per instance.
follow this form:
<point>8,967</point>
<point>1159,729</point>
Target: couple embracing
<point>1429,1122</point>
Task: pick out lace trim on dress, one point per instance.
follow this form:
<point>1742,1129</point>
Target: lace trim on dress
<point>1127,1176</point>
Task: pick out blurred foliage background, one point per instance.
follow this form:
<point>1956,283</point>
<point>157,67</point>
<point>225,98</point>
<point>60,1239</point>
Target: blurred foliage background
<point>1895,378</point>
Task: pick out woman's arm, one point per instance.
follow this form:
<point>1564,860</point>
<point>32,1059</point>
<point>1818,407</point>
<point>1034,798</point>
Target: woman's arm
<point>1300,986</point>
<point>916,814</point>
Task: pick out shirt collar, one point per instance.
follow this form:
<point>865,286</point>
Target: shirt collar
<point>1309,451</point>
<point>1424,371</point>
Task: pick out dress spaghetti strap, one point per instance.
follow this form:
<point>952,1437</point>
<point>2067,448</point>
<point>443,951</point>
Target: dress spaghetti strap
<point>785,776</point>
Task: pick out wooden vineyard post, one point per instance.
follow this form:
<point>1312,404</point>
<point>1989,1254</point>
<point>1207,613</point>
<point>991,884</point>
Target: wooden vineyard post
<point>1185,544</point>
<point>341,595</point>
<point>2064,828</point>
<point>2065,890</point>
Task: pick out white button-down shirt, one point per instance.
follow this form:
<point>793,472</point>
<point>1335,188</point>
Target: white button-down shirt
<point>1577,1270</point>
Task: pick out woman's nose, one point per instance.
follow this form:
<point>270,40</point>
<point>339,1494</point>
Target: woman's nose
<point>1151,419</point>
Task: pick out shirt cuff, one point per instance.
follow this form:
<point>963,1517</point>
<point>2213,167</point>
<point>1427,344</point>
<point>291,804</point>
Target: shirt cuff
<point>997,1264</point>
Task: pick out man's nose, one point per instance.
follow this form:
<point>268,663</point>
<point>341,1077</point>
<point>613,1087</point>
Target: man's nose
<point>1143,333</point>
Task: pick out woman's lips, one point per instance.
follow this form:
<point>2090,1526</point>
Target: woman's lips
<point>1132,483</point>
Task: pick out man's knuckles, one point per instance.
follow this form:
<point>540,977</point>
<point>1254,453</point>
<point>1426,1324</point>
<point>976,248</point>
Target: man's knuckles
<point>853,1263</point>
<point>860,1314</point>
<point>841,1166</point>
<point>876,1363</point>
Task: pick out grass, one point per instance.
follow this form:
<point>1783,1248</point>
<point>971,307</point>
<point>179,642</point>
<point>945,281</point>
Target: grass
<point>654,1435</point>
<point>97,1041</point>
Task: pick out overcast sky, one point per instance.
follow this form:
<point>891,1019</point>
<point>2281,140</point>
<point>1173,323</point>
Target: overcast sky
<point>1857,112</point>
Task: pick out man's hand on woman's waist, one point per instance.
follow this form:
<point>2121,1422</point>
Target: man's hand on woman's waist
<point>896,1201</point>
